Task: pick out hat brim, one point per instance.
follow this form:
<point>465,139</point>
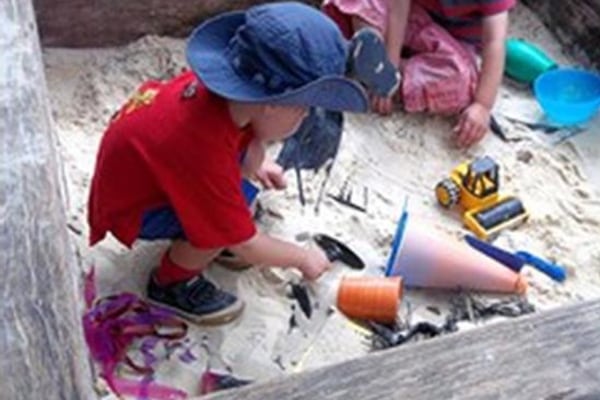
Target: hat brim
<point>206,54</point>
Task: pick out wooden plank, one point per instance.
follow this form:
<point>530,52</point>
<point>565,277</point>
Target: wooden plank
<point>114,22</point>
<point>552,356</point>
<point>41,343</point>
<point>576,23</point>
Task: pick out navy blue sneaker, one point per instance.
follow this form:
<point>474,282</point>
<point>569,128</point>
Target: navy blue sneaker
<point>369,64</point>
<point>197,300</point>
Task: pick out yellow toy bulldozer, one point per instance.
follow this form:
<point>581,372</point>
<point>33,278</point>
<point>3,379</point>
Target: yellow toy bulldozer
<point>474,185</point>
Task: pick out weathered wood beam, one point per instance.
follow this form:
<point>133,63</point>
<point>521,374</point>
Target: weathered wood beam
<point>551,355</point>
<point>96,23</point>
<point>576,24</point>
<point>42,354</point>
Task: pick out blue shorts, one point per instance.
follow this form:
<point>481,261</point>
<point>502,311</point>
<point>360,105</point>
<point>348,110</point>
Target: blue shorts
<point>162,223</point>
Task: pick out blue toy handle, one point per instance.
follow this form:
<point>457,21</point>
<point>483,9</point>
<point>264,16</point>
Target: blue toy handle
<point>502,256</point>
<point>554,271</point>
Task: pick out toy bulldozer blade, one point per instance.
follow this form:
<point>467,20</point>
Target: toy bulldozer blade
<point>474,186</point>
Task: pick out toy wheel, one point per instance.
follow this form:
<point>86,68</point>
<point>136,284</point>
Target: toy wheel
<point>447,193</point>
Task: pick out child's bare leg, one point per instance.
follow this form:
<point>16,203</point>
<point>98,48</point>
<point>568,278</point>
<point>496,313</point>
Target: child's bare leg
<point>189,257</point>
<point>359,23</point>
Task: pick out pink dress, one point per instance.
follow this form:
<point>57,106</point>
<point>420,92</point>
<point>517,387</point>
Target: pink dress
<point>440,76</point>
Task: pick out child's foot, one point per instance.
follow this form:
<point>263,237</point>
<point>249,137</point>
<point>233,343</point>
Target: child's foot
<point>369,63</point>
<point>197,300</point>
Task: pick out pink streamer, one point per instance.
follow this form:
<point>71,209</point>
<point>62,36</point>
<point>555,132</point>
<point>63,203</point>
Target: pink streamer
<point>149,390</point>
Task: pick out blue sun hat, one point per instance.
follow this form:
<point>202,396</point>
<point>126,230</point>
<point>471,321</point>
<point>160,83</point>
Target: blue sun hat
<point>280,54</point>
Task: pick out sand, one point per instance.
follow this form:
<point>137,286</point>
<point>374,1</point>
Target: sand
<point>394,157</point>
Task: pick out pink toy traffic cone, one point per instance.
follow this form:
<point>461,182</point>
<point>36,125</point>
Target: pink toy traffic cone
<point>430,259</point>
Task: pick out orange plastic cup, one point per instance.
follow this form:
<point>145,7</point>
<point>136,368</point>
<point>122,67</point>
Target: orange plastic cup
<point>373,298</point>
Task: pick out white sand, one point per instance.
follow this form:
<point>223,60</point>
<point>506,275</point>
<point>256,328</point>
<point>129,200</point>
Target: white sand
<point>395,157</point>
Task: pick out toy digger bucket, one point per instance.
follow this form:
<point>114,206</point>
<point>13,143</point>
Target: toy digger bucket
<point>429,259</point>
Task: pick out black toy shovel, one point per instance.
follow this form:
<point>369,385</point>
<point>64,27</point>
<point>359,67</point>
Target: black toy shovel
<point>338,251</point>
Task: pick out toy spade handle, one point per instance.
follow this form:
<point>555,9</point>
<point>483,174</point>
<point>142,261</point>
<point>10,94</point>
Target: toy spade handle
<point>502,256</point>
<point>554,271</point>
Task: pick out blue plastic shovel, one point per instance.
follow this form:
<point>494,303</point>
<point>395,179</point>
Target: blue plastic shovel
<point>517,260</point>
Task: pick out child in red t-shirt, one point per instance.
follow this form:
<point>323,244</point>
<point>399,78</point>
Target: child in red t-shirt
<point>172,162</point>
<point>440,38</point>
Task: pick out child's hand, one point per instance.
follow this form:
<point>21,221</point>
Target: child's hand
<point>315,262</point>
<point>270,175</point>
<point>472,125</point>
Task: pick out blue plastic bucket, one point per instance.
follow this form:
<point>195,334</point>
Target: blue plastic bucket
<point>568,96</point>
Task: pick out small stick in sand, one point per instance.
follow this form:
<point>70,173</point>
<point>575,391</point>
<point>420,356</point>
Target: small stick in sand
<point>300,188</point>
<point>322,188</point>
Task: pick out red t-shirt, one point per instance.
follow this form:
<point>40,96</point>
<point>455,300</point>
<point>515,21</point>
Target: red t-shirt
<point>463,18</point>
<point>174,144</point>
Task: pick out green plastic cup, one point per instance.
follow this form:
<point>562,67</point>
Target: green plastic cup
<point>525,62</point>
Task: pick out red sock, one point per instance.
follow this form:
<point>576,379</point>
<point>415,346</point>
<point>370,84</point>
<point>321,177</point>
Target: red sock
<point>169,272</point>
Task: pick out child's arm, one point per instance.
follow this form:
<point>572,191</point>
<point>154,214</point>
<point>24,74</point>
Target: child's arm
<point>474,121</point>
<point>254,158</point>
<point>257,165</point>
<point>495,29</point>
<point>394,39</point>
<point>263,249</point>
<point>396,29</point>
